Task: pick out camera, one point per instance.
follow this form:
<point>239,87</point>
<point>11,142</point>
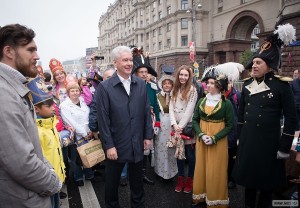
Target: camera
<point>99,57</point>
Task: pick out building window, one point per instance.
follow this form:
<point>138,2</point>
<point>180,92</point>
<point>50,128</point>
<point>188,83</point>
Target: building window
<point>168,27</point>
<point>184,40</point>
<point>220,9</point>
<point>153,18</point>
<point>147,48</point>
<point>142,37</point>
<point>253,45</point>
<point>142,12</point>
<point>184,4</point>
<point>147,36</point>
<point>244,1</point>
<point>159,30</point>
<point>184,23</point>
<point>154,47</point>
<point>168,43</point>
<point>154,33</point>
<point>168,10</point>
<point>159,2</point>
<point>141,23</point>
<point>159,45</point>
<point>147,21</point>
<point>160,15</point>
<point>255,31</point>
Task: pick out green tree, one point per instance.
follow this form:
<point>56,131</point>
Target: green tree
<point>246,56</point>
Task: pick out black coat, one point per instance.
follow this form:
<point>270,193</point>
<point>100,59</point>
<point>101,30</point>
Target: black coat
<point>124,121</point>
<point>93,121</point>
<point>260,137</point>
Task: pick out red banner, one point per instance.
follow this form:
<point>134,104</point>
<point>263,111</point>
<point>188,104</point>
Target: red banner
<point>192,51</point>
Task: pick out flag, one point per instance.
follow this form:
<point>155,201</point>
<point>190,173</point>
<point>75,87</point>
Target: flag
<point>192,51</point>
<point>290,57</point>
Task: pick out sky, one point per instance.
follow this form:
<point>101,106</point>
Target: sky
<point>64,28</point>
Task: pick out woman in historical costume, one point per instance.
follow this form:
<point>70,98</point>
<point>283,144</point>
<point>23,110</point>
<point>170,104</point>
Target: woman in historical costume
<point>212,121</point>
<point>165,163</point>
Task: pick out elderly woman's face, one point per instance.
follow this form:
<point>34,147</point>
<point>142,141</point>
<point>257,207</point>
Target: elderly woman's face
<point>74,93</point>
<point>167,85</point>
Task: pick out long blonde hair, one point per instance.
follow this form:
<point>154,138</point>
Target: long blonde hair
<point>185,90</point>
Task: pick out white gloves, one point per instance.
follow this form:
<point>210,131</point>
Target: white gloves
<point>156,130</point>
<point>207,139</point>
<point>204,137</point>
<point>282,155</point>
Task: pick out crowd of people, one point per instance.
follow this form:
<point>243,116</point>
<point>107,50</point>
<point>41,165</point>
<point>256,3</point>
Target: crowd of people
<point>223,137</point>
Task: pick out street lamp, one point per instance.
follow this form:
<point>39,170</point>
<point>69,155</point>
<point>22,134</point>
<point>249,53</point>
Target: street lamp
<point>194,7</point>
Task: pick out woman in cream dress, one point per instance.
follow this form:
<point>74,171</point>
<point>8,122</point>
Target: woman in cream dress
<point>165,162</point>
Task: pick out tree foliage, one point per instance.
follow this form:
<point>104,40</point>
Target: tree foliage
<point>246,56</point>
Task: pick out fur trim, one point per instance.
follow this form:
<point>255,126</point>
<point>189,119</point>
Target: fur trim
<point>217,202</point>
<point>199,196</point>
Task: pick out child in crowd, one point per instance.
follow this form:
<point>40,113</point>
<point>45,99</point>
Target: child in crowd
<point>86,93</point>
<point>49,137</point>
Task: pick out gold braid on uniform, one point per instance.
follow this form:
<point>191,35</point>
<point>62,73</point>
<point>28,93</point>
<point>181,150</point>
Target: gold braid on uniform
<point>218,107</point>
<point>292,135</point>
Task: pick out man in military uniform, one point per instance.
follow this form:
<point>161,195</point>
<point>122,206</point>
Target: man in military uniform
<point>260,164</point>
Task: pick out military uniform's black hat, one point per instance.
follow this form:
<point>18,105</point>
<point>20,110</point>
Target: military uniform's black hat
<point>269,51</point>
<point>213,72</point>
<point>139,60</point>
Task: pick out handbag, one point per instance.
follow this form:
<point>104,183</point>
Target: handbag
<point>188,130</point>
<point>91,153</point>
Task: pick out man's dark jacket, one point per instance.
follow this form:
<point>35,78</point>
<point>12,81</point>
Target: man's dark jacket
<point>124,121</point>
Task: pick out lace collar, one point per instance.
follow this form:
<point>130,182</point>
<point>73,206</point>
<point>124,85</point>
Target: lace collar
<point>211,97</point>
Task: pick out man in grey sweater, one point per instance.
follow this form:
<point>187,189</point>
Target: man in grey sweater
<point>27,178</point>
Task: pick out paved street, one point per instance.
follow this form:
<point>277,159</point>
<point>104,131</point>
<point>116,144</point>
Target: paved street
<point>161,195</point>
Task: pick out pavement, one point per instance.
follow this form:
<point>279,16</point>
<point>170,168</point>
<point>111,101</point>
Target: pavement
<point>160,195</point>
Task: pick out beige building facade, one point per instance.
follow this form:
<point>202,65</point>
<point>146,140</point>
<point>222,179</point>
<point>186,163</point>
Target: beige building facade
<point>221,29</point>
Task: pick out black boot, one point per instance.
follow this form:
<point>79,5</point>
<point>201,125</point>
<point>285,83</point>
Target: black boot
<point>250,197</point>
<point>146,179</point>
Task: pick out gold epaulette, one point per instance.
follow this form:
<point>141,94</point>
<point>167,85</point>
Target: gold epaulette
<point>284,79</point>
<point>247,78</point>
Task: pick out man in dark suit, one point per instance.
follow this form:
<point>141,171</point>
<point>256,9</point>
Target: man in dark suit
<point>125,127</point>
